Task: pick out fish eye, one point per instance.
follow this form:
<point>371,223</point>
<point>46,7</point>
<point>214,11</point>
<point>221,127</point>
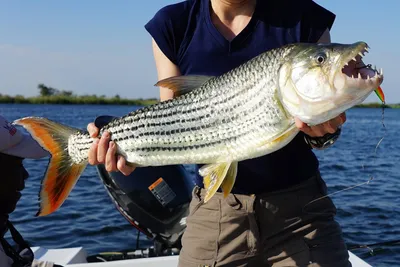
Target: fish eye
<point>320,58</point>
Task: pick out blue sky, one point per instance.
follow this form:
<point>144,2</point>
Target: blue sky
<point>101,47</point>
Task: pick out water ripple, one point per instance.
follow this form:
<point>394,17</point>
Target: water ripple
<point>368,214</point>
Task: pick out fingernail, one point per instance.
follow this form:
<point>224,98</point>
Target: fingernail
<point>96,141</point>
<point>111,144</point>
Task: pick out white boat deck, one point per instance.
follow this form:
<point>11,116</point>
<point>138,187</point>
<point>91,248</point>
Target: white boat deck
<point>76,257</point>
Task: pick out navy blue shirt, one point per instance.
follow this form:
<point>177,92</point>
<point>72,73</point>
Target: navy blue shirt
<point>186,35</point>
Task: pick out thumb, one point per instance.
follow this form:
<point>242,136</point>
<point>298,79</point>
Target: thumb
<point>93,130</point>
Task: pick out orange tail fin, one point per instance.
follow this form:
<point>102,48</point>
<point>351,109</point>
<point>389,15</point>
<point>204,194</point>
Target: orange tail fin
<point>62,173</point>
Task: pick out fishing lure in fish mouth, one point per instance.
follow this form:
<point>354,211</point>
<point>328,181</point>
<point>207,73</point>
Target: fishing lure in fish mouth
<point>380,94</point>
<point>378,91</point>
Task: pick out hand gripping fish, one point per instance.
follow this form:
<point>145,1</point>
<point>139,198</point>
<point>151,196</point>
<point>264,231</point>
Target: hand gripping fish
<point>245,113</point>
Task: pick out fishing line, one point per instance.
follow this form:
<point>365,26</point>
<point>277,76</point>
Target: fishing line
<point>371,250</point>
<point>383,126</point>
<point>334,193</point>
<point>360,184</point>
<point>385,243</point>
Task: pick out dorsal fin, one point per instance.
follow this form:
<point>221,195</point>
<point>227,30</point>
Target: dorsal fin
<point>181,85</point>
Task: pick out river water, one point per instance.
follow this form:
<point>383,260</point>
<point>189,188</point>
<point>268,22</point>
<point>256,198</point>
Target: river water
<point>369,214</point>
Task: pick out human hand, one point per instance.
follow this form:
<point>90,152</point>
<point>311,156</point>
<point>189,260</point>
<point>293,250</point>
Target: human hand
<point>103,151</point>
<point>320,130</point>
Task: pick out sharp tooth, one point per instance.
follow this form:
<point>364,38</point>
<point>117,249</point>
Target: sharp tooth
<point>361,54</point>
<point>359,76</point>
<point>366,50</point>
<point>354,59</point>
<point>368,77</point>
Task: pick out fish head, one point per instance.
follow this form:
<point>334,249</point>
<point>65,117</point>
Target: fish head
<point>317,82</point>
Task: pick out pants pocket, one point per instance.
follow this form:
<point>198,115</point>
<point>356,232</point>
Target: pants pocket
<point>239,233</point>
<point>199,241</point>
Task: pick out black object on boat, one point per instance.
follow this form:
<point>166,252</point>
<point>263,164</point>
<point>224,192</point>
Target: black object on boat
<point>155,200</point>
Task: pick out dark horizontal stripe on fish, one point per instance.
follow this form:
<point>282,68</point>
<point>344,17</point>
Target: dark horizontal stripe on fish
<point>182,130</point>
<point>167,132</point>
<point>155,124</point>
<point>139,115</point>
<point>159,132</point>
<point>83,140</point>
<point>192,146</point>
<point>172,122</point>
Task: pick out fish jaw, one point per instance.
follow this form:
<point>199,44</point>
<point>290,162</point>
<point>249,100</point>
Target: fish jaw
<point>316,92</point>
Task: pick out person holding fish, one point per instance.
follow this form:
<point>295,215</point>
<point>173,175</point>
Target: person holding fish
<point>14,147</point>
<point>265,221</point>
<point>247,93</point>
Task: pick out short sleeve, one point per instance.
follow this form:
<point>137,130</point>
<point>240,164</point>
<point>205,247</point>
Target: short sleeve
<point>315,21</point>
<point>167,28</point>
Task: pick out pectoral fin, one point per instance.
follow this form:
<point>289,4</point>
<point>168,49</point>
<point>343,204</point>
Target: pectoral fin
<point>215,176</point>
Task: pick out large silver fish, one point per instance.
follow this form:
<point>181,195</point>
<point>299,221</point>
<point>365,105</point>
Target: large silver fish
<point>218,121</point>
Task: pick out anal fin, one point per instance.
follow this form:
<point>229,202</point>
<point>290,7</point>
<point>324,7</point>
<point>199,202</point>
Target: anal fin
<point>218,175</point>
<point>230,179</point>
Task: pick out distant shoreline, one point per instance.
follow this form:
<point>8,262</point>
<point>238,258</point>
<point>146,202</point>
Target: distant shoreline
<point>377,105</point>
<point>76,100</point>
<point>102,100</point>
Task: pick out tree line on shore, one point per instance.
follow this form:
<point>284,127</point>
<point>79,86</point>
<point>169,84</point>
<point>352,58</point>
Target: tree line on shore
<point>50,95</point>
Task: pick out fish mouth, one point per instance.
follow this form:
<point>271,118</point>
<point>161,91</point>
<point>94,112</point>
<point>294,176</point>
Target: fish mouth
<point>356,73</point>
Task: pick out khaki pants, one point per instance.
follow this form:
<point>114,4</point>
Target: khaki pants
<point>275,229</point>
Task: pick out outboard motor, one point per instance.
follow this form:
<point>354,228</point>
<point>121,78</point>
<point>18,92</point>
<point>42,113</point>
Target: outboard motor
<point>155,200</point>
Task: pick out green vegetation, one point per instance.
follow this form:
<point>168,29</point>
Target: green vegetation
<point>50,95</point>
<point>378,105</point>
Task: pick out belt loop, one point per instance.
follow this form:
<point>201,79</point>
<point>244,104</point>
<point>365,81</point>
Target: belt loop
<point>265,205</point>
<point>234,202</point>
<point>252,204</point>
<point>196,193</point>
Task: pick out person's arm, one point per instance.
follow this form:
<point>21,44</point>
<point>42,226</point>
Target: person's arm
<point>165,69</point>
